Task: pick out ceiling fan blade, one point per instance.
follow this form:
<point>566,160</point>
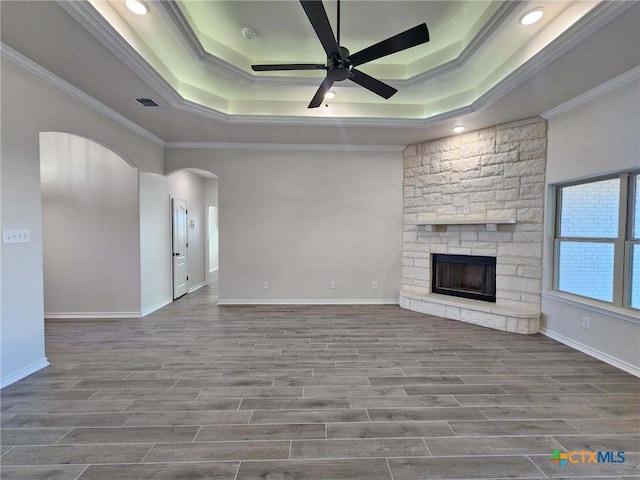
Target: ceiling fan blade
<point>318,98</point>
<point>288,66</point>
<point>320,22</point>
<point>370,83</point>
<point>410,38</point>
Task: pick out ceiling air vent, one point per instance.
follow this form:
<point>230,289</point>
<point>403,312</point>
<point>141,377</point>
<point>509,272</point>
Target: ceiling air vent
<point>149,103</point>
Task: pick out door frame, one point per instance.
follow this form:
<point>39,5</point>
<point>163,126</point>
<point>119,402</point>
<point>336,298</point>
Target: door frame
<point>173,281</point>
<point>206,240</point>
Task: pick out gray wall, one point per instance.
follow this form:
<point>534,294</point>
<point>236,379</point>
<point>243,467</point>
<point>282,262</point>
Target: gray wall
<point>155,242</point>
<point>90,228</point>
<point>301,219</point>
<point>211,191</point>
<point>595,138</point>
<point>30,106</point>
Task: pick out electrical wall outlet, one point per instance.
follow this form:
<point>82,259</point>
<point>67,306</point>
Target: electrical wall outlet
<point>467,209</point>
<point>586,323</point>
<point>374,285</point>
<point>16,236</point>
<point>265,285</point>
<point>452,210</point>
<point>332,285</point>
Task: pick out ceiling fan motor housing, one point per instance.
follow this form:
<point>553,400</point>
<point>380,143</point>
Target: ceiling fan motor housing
<point>338,68</point>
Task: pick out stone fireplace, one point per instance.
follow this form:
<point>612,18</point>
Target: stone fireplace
<point>479,194</point>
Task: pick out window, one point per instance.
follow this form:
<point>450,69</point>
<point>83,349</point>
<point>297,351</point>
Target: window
<point>633,246</point>
<point>597,240</point>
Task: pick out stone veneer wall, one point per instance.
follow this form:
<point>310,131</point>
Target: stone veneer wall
<point>498,173</point>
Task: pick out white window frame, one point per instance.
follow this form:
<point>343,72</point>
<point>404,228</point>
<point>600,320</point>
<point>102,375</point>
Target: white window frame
<point>622,243</point>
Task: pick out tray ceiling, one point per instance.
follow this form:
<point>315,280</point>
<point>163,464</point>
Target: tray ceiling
<point>486,71</point>
<point>198,49</point>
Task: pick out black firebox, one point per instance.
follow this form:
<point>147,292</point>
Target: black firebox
<point>466,276</point>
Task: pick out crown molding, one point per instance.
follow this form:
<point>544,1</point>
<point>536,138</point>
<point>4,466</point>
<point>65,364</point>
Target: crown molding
<point>591,22</point>
<point>84,13</point>
<point>497,19</point>
<point>603,13</point>
<point>87,16</point>
<point>42,73</point>
<point>287,146</point>
<point>208,112</point>
<point>588,96</point>
<point>93,22</point>
<point>181,25</point>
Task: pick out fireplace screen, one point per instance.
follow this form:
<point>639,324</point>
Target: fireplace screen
<point>465,276</point>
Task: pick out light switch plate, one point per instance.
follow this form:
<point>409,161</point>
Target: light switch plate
<point>16,236</point>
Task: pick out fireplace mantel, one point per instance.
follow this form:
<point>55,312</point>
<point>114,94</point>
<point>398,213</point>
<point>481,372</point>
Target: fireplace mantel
<point>491,224</point>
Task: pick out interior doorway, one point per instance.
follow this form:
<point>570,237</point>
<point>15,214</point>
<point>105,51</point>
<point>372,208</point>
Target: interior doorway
<point>199,189</point>
<point>179,247</point>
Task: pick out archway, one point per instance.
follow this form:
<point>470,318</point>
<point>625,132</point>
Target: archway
<point>90,215</point>
<point>199,189</point>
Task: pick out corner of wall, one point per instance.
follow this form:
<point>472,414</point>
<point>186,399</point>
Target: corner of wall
<point>23,372</point>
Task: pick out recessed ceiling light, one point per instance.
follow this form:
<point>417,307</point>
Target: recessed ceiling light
<point>459,129</point>
<point>330,94</point>
<point>137,7</point>
<point>532,16</point>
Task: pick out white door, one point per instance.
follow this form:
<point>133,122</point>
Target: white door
<point>180,270</point>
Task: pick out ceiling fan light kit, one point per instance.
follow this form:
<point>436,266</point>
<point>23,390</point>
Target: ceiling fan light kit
<point>340,62</point>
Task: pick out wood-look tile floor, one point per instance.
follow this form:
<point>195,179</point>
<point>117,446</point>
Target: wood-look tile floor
<point>197,391</point>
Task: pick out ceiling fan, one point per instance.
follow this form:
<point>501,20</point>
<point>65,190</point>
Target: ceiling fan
<point>340,62</point>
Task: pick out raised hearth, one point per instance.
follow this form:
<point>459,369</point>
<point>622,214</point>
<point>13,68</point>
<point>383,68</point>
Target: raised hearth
<point>476,312</point>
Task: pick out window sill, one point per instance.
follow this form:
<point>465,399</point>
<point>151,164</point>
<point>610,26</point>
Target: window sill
<point>626,314</point>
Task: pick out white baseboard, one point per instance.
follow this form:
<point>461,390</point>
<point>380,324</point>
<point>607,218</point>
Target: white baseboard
<point>258,301</point>
<point>108,315</point>
<point>196,287</point>
<point>155,307</point>
<point>605,357</point>
<point>25,372</point>
<point>91,315</point>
